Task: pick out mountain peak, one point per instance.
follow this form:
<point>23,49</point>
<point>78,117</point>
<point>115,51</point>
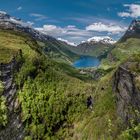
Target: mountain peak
<point>9,22</point>
<point>4,15</point>
<point>134,24</point>
<point>101,39</point>
<point>133,30</point>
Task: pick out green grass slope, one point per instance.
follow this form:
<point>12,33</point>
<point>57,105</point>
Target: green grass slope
<point>58,51</point>
<point>121,52</point>
<point>51,94</point>
<point>103,123</point>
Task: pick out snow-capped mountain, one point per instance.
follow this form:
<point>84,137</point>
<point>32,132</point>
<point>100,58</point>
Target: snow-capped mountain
<point>135,25</point>
<point>8,22</point>
<point>133,30</point>
<point>4,15</point>
<point>7,18</point>
<point>97,46</point>
<point>102,39</point>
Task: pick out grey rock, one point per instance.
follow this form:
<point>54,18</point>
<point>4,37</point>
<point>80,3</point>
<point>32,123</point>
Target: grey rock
<point>127,94</point>
<point>14,130</point>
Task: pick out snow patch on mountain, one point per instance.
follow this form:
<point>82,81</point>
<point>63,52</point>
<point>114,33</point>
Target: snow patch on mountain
<point>7,18</point>
<point>3,12</point>
<point>102,39</point>
<point>135,23</point>
<point>9,22</point>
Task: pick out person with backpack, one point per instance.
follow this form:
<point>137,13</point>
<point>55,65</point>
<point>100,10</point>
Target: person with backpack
<point>89,102</point>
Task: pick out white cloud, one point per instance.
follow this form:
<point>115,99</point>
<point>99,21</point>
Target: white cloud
<point>19,8</point>
<point>132,11</point>
<point>38,17</point>
<point>124,14</point>
<point>68,42</point>
<point>52,30</point>
<point>110,28</point>
<point>69,30</point>
<point>71,33</point>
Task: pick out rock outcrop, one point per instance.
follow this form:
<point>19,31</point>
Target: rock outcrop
<point>8,22</point>
<point>133,31</point>
<point>14,130</point>
<point>127,93</point>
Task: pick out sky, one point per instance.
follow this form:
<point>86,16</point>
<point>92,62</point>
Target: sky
<point>75,20</point>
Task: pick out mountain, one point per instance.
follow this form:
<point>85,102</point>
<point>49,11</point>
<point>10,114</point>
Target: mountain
<point>116,96</point>
<point>128,45</point>
<point>100,39</point>
<point>53,47</point>
<point>133,30</point>
<point>61,50</point>
<point>8,22</point>
<point>43,98</point>
<point>95,46</point>
<point>38,95</point>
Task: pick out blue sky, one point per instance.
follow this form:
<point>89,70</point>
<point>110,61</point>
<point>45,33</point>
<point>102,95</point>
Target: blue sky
<point>75,20</point>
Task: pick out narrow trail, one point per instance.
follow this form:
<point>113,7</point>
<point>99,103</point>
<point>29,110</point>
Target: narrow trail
<point>14,130</point>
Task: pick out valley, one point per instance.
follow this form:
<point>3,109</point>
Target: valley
<point>45,83</point>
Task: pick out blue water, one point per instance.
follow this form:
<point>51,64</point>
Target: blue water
<point>86,61</point>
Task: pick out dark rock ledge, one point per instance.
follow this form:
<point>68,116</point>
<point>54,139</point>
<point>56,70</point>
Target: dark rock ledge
<point>14,130</point>
<point>127,94</point>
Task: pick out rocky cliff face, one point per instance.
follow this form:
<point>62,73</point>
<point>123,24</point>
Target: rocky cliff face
<point>11,23</point>
<point>133,31</point>
<point>127,92</point>
<point>14,129</point>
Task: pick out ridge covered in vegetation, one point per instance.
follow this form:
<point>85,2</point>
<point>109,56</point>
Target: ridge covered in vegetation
<point>52,94</point>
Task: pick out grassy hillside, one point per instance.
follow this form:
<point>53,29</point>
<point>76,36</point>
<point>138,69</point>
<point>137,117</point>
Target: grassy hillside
<point>126,49</point>
<point>58,51</point>
<point>52,94</point>
<point>12,42</point>
<point>103,123</point>
<point>121,52</point>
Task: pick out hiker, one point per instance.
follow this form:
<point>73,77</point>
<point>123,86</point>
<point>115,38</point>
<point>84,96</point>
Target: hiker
<point>20,53</point>
<point>89,102</point>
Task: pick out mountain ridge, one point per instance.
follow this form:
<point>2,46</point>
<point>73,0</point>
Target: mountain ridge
<point>133,31</point>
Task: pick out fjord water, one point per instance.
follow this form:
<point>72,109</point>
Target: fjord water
<point>86,61</point>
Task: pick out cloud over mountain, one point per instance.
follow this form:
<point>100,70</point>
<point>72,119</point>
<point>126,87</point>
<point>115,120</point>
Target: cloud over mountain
<point>69,32</point>
<point>101,27</point>
<point>132,11</point>
<point>74,34</point>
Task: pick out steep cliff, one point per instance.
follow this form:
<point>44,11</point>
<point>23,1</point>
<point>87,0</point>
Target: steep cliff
<point>14,129</point>
<point>133,31</point>
<point>126,88</point>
